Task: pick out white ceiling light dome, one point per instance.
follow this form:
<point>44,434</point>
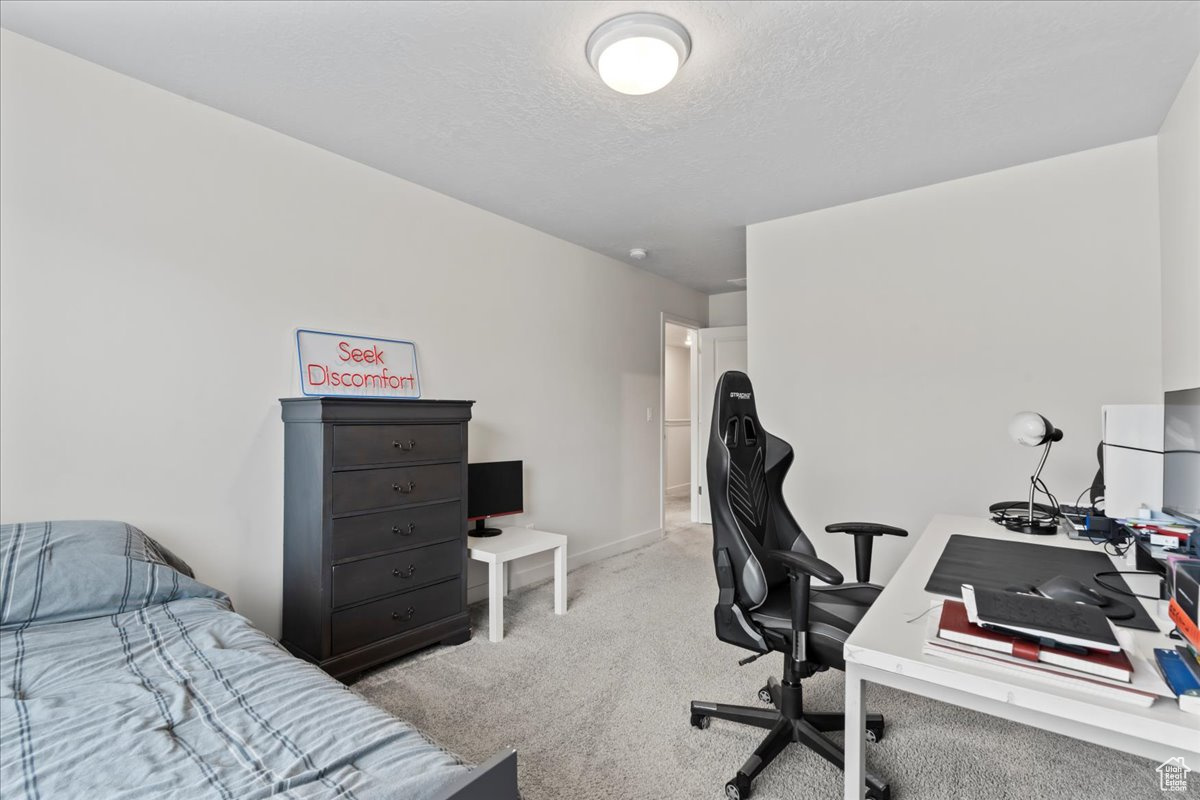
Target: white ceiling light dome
<point>638,53</point>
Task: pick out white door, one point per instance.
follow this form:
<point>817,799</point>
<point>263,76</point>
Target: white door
<point>721,349</point>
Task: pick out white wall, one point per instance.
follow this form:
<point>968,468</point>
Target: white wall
<point>1179,204</point>
<point>677,370</point>
<point>157,255</point>
<point>891,340</point>
<point>726,309</point>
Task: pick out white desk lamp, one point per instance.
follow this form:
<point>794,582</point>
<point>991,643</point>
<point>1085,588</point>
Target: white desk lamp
<point>1032,430</point>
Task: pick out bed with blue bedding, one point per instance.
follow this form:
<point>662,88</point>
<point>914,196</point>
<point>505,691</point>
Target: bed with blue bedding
<point>121,676</point>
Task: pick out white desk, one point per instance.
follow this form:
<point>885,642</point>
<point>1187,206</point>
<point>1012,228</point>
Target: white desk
<point>513,543</point>
<point>885,649</point>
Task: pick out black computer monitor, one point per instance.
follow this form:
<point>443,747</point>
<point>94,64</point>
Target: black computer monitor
<point>1181,454</point>
<point>494,488</point>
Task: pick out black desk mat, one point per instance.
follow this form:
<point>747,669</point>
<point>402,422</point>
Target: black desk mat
<point>999,564</point>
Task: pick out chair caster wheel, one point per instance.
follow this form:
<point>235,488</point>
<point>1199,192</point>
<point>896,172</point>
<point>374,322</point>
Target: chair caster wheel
<point>874,732</point>
<point>764,695</point>
<point>739,788</point>
<point>700,721</point>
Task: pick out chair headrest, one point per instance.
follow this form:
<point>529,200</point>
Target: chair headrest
<point>736,395</point>
<point>735,398</point>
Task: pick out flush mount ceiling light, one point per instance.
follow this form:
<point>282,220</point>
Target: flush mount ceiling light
<point>638,53</point>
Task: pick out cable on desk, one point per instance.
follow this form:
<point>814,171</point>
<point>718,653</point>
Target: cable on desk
<point>1119,590</point>
<point>1117,550</point>
<point>923,613</point>
<point>1104,541</point>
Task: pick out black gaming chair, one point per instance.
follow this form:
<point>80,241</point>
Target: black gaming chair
<point>764,566</point>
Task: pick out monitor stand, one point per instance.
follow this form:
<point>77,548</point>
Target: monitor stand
<point>481,531</point>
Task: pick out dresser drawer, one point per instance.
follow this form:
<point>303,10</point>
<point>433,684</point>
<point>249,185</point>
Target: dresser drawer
<point>360,490</point>
<point>396,572</point>
<point>359,445</point>
<point>371,622</point>
<point>390,530</point>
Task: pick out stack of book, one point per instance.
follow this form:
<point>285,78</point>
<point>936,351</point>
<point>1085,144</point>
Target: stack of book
<point>1182,673</point>
<point>1049,641</point>
<point>1181,667</point>
<point>1184,575</point>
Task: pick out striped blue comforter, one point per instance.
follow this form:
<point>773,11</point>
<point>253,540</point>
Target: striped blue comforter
<point>181,699</point>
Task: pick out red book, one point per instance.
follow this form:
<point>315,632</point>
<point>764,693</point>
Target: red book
<point>955,627</point>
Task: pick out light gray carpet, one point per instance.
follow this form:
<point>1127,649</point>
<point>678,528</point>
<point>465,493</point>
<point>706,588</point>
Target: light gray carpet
<point>596,702</point>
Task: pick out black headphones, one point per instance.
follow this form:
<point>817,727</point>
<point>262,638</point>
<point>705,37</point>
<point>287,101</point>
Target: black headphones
<point>1014,515</point>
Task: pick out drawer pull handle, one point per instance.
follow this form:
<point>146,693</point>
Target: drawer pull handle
<point>406,616</point>
<point>409,445</point>
<point>412,526</point>
<point>408,573</point>
<point>402,489</point>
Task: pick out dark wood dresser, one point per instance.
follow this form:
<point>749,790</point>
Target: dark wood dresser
<point>374,529</point>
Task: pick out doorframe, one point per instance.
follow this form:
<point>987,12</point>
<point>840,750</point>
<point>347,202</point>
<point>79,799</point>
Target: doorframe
<point>693,409</point>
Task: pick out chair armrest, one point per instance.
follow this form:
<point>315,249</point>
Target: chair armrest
<point>807,565</point>
<point>801,570</point>
<point>864,538</point>
<point>870,528</point>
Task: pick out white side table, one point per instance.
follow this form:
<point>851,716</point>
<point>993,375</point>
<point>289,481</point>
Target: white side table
<point>514,543</point>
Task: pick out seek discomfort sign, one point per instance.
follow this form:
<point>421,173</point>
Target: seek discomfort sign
<point>337,365</point>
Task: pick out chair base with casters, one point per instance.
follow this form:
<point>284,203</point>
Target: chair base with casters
<point>788,723</point>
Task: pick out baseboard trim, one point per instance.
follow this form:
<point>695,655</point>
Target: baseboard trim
<point>519,577</point>
<point>679,489</point>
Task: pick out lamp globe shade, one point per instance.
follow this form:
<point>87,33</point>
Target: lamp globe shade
<point>638,53</point>
<point>1032,429</point>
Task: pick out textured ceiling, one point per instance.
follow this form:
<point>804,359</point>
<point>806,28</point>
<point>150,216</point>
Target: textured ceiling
<point>782,108</point>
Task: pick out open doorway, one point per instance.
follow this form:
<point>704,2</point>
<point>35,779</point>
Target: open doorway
<point>680,341</point>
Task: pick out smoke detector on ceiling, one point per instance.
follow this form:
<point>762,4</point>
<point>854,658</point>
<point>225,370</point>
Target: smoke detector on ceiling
<point>638,254</point>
